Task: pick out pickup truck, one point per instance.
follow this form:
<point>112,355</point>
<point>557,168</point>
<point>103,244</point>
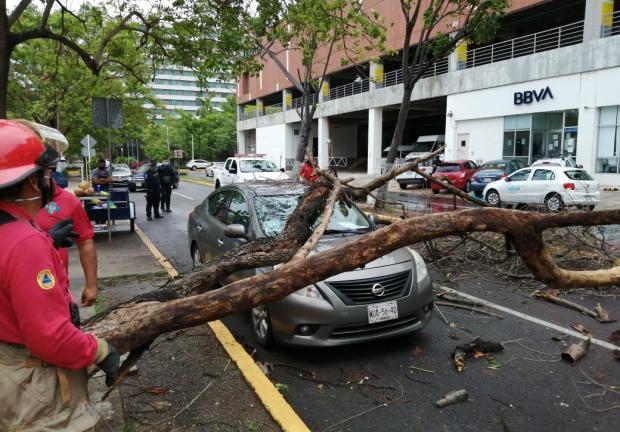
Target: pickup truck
<point>240,169</point>
<point>422,147</point>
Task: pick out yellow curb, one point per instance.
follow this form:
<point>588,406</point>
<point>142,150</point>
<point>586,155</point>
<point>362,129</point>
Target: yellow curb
<point>271,398</point>
<point>200,182</point>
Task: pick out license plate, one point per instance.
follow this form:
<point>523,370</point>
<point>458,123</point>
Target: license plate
<point>382,312</point>
<point>486,179</point>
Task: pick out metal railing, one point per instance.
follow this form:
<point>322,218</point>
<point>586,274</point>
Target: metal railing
<point>349,89</point>
<point>297,102</point>
<point>396,76</point>
<point>337,162</point>
<point>570,34</point>
<point>248,113</point>
<point>611,24</point>
<point>271,109</point>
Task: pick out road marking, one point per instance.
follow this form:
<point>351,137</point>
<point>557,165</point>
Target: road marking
<point>533,319</point>
<point>183,196</point>
<point>271,398</point>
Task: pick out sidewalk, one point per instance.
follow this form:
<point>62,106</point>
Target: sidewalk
<point>178,365</point>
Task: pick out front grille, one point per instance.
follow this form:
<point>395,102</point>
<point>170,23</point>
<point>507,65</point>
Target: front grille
<point>360,291</point>
<point>365,330</point>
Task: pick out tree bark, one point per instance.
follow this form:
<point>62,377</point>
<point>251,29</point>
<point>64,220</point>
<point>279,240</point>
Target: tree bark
<point>6,49</point>
<point>135,324</point>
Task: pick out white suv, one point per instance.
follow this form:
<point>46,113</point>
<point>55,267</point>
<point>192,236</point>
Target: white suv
<point>194,164</point>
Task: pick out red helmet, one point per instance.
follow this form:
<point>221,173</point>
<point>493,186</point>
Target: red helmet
<point>21,153</point>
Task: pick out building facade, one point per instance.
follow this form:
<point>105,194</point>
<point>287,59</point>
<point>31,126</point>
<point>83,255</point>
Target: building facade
<point>548,85</point>
<point>178,89</point>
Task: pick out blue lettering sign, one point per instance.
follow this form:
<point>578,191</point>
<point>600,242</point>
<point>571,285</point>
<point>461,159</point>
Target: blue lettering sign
<point>528,96</point>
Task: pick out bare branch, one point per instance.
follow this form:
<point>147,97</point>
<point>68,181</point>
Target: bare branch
<point>18,11</point>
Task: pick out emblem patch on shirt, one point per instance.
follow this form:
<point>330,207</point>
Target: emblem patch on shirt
<point>46,280</point>
<point>52,208</point>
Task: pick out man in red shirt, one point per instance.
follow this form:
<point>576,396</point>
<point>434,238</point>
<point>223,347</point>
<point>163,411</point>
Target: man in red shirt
<point>43,354</point>
<point>308,171</point>
<point>64,205</point>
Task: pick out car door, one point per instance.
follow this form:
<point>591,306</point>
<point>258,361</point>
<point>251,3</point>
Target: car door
<point>213,227</point>
<point>542,183</point>
<point>237,212</point>
<point>516,185</point>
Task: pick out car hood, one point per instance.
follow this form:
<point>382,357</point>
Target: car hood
<point>331,241</point>
<point>265,175</point>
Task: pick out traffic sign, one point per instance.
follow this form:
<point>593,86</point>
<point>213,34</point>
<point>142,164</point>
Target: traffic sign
<point>178,154</point>
<point>88,141</point>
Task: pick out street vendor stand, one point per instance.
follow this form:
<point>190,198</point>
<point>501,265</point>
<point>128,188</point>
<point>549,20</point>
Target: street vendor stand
<point>111,206</point>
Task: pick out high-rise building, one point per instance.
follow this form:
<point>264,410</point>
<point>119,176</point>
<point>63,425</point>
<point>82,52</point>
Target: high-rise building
<point>178,89</point>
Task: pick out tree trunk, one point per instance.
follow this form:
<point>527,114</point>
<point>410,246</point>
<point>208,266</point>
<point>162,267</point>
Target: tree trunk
<point>6,50</point>
<point>137,323</point>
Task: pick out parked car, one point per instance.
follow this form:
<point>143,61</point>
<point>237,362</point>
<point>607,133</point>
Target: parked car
<point>560,161</point>
<point>137,179</point>
<point>388,297</point>
<point>423,146</point>
<point>239,169</point>
<point>211,166</point>
<point>492,171</point>
<point>195,164</point>
<point>121,174</point>
<point>458,172</point>
<point>554,187</point>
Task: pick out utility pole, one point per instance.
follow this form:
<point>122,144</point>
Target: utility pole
<point>167,138</point>
<point>192,146</point>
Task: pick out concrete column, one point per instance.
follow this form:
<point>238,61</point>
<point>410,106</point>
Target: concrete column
<point>260,108</point>
<point>289,148</point>
<point>324,142</point>
<point>287,100</point>
<point>597,19</point>
<point>376,75</point>
<point>240,141</point>
<point>375,135</point>
<point>324,93</point>
<point>240,112</point>
<point>457,60</point>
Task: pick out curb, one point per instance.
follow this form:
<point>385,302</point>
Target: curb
<point>271,398</point>
<point>200,182</point>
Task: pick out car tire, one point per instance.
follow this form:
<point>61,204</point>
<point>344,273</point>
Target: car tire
<point>478,194</point>
<point>467,188</point>
<point>196,256</point>
<point>403,186</point>
<point>261,326</point>
<point>554,203</point>
<point>435,191</point>
<point>493,198</point>
<point>132,225</point>
<point>132,189</point>
<point>194,168</point>
<point>590,208</point>
<point>217,184</point>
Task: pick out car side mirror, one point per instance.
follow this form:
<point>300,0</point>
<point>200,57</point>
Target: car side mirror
<point>281,169</point>
<point>235,231</point>
<point>507,179</point>
<point>232,170</point>
<point>579,166</point>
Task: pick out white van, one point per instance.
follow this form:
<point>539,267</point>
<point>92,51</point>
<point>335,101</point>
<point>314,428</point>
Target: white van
<point>424,145</point>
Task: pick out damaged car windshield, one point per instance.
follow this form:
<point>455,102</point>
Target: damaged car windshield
<point>258,165</point>
<point>274,210</point>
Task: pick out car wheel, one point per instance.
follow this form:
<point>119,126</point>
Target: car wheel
<point>132,225</point>
<point>478,194</point>
<point>261,326</point>
<point>132,189</point>
<point>493,198</point>
<point>590,208</point>
<point>217,184</point>
<point>554,203</point>
<point>196,257</point>
<point>467,188</point>
<point>194,168</point>
<point>403,186</point>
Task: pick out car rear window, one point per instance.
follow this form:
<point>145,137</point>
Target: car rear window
<point>494,165</point>
<point>448,168</point>
<point>578,175</point>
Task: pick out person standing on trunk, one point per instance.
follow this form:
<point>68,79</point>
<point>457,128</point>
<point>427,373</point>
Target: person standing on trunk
<point>167,177</point>
<point>43,352</point>
<point>153,191</point>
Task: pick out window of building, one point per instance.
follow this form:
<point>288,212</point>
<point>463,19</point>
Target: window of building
<point>608,153</point>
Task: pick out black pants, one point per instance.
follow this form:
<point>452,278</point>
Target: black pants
<point>152,201</point>
<point>166,192</point>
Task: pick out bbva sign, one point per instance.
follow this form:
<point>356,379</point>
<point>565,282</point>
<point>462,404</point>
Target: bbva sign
<point>529,96</point>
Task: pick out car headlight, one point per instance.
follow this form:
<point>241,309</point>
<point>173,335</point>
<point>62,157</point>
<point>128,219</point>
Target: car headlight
<point>420,265</point>
<point>310,291</point>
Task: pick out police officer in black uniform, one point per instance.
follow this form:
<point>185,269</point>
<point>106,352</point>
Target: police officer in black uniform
<point>153,191</point>
<point>167,176</point>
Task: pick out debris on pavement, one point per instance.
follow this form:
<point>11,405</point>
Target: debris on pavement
<point>599,313</point>
<point>458,300</point>
<point>577,351</point>
<point>452,397</point>
<point>581,329</point>
<point>559,338</point>
<point>473,309</point>
<point>476,349</point>
<point>614,337</point>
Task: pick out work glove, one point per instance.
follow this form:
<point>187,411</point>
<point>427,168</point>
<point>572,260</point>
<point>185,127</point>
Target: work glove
<point>108,360</point>
<point>62,233</point>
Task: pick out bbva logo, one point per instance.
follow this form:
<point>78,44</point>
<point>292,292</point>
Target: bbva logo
<point>528,96</point>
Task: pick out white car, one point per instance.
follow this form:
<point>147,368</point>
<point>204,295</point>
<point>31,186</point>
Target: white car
<point>560,161</point>
<point>195,164</point>
<point>121,174</point>
<point>554,187</point>
<point>209,169</point>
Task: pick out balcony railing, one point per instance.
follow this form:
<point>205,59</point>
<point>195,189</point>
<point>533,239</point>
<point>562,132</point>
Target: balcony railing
<point>349,89</point>
<point>570,34</point>
<point>297,102</point>
<point>611,24</point>
<point>396,76</point>
<point>271,109</point>
<point>248,113</point>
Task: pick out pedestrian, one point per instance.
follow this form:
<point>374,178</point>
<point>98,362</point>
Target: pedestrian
<point>101,176</point>
<point>153,191</point>
<point>167,175</point>
<point>43,353</point>
<point>64,205</point>
<point>308,170</point>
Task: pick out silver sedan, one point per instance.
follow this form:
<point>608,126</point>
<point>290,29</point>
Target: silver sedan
<point>388,297</point>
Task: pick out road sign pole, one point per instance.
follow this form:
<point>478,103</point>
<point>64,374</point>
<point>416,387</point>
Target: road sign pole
<point>107,116</point>
<point>192,146</point>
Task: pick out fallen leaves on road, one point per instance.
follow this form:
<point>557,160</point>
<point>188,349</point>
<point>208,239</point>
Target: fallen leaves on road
<point>577,351</point>
<point>581,329</point>
<point>157,390</point>
<point>477,348</point>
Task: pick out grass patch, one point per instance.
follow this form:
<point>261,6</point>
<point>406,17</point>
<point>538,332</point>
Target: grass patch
<point>101,303</point>
<point>250,425</point>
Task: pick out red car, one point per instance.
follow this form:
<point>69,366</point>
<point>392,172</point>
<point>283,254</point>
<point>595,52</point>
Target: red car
<point>457,172</point>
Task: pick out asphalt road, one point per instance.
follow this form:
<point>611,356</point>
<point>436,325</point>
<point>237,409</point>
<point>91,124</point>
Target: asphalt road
<point>392,385</point>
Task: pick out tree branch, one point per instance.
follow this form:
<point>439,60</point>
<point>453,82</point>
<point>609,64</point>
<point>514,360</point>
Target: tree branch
<point>18,11</point>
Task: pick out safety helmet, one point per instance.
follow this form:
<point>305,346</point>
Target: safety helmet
<point>22,153</point>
